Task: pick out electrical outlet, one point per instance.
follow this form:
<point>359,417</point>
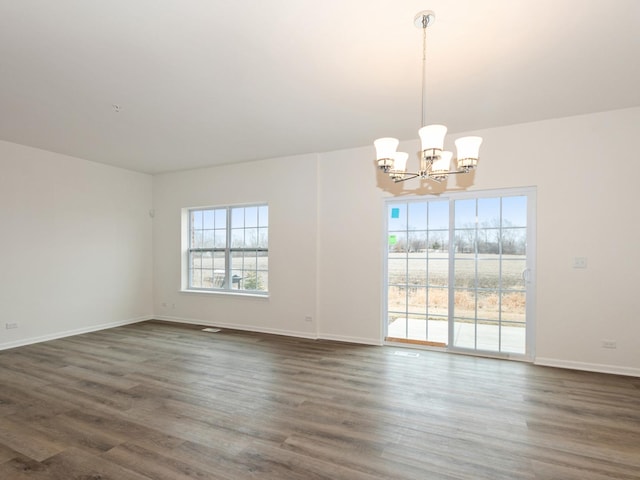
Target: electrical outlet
<point>609,344</point>
<point>12,325</point>
<point>579,262</point>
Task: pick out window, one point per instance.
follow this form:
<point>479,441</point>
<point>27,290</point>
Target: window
<point>228,248</point>
<point>459,271</point>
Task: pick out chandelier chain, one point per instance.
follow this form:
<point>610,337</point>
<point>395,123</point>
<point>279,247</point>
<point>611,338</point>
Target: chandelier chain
<point>425,22</point>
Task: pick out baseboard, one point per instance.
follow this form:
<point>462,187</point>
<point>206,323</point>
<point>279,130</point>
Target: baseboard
<point>70,333</point>
<point>235,326</point>
<point>347,339</point>
<point>189,321</point>
<point>273,331</point>
<point>589,367</point>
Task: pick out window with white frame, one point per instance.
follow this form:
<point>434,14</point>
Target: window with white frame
<point>228,248</point>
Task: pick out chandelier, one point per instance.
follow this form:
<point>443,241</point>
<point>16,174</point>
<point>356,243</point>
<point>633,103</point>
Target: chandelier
<point>435,162</point>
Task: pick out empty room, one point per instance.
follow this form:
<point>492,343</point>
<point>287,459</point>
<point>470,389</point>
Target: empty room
<point>295,240</point>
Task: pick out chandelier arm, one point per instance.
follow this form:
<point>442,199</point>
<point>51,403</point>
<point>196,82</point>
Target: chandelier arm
<point>428,175</point>
<point>406,176</point>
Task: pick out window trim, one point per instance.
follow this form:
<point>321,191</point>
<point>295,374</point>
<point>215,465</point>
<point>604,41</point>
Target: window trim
<point>186,230</point>
<point>451,196</point>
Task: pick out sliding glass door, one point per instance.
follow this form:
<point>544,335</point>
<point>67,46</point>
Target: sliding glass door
<point>459,272</point>
<point>418,271</point>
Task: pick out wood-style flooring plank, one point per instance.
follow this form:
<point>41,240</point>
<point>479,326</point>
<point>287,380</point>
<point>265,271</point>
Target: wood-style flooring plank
<point>78,464</point>
<point>157,465</point>
<point>28,441</point>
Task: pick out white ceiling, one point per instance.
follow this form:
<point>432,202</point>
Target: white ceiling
<point>206,82</point>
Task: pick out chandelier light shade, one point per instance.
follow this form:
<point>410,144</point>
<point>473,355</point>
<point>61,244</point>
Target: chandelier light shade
<point>432,137</point>
<point>468,149</point>
<point>435,162</point>
<point>399,166</point>
<point>386,148</point>
<point>441,166</point>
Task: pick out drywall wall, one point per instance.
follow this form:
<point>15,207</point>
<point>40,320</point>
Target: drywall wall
<point>289,187</point>
<point>585,208</point>
<point>326,238</point>
<point>75,246</point>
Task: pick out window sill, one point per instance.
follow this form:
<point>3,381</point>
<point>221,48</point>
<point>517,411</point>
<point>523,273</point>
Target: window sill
<point>229,293</point>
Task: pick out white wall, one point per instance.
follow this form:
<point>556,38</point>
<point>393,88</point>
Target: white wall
<point>289,186</point>
<point>586,206</point>
<point>326,237</point>
<point>76,237</point>
<point>75,247</point>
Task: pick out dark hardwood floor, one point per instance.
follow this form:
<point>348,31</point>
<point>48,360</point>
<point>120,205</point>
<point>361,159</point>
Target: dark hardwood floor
<point>163,401</point>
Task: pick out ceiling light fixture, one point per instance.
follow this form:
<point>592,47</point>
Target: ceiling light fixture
<point>435,163</point>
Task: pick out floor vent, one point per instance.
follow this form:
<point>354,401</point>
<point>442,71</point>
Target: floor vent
<point>406,354</point>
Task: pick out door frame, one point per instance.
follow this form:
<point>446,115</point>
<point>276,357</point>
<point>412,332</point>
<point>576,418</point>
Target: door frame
<point>531,262</point>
